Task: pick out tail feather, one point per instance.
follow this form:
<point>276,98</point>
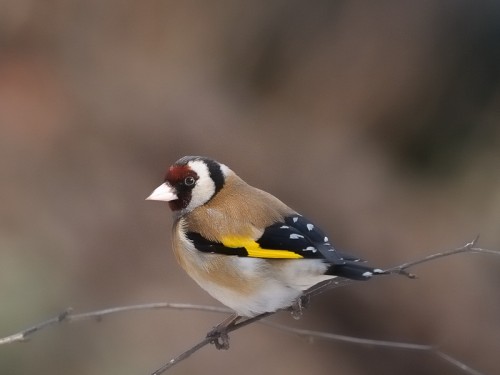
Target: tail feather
<point>354,270</point>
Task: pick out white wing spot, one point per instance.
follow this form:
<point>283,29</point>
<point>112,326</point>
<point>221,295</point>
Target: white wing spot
<point>378,270</point>
<point>310,227</point>
<point>310,248</point>
<point>325,239</point>
<point>367,274</point>
<point>295,219</point>
<point>295,236</point>
<point>284,227</point>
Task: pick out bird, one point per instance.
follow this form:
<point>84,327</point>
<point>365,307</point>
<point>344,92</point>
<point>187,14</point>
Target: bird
<point>244,246</point>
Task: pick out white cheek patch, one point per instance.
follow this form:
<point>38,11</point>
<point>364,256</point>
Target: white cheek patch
<point>204,188</point>
<point>225,170</point>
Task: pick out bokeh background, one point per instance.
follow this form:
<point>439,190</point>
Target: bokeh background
<point>379,120</point>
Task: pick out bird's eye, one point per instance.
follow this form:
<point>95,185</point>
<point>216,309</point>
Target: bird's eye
<point>189,181</point>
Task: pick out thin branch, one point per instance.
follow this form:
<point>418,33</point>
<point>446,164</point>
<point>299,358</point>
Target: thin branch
<point>467,248</point>
<point>183,356</point>
<point>23,335</point>
<point>148,306</point>
<point>68,316</point>
<point>309,334</point>
<point>207,340</point>
<point>400,269</point>
<point>458,364</point>
<point>486,251</point>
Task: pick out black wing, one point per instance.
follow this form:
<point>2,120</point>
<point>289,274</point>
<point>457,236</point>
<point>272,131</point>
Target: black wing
<point>341,264</point>
<point>295,237</point>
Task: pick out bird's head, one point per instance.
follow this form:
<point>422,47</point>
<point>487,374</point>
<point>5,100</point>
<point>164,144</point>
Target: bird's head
<point>191,182</point>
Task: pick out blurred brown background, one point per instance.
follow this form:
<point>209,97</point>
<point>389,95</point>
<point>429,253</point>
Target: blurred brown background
<point>378,120</point>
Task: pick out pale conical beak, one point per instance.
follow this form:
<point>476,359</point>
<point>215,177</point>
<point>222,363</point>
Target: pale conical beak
<point>164,192</point>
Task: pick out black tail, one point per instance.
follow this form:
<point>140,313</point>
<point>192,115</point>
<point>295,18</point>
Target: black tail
<point>354,270</point>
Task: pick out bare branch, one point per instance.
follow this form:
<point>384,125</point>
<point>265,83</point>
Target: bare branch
<point>23,335</point>
<point>486,251</point>
<point>458,364</point>
<point>400,269</point>
<point>68,316</point>
<point>309,334</point>
<point>183,356</point>
<point>207,340</point>
<point>467,248</point>
<point>375,343</point>
<point>148,306</point>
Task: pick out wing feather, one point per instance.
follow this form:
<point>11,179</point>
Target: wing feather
<point>293,238</point>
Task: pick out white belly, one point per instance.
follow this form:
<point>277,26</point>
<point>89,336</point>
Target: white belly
<point>270,285</point>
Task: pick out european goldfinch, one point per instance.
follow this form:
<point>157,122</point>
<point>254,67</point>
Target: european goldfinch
<point>242,245</point>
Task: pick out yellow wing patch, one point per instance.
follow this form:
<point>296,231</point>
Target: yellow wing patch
<point>255,251</point>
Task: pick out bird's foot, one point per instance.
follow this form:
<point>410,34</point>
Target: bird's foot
<point>219,334</point>
<point>299,305</point>
<point>219,337</point>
